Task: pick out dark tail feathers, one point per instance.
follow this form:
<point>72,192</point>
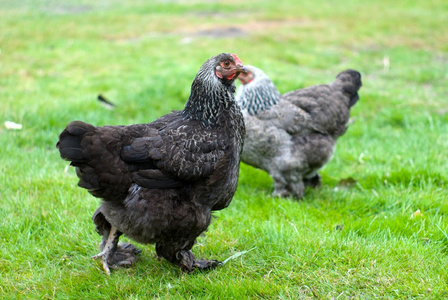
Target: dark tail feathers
<point>69,143</point>
<point>351,83</point>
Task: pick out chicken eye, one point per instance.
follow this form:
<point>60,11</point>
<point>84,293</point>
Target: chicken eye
<point>226,64</point>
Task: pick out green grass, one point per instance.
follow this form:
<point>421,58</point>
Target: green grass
<point>362,240</point>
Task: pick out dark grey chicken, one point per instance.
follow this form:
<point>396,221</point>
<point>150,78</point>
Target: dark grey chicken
<point>292,136</point>
<point>159,182</point>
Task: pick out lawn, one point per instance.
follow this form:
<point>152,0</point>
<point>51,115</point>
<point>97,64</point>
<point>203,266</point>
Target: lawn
<point>378,226</point>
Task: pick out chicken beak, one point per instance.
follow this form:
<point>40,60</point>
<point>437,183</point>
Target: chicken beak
<point>241,69</point>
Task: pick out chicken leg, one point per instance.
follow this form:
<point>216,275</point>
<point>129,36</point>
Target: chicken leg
<point>314,181</point>
<point>114,255</point>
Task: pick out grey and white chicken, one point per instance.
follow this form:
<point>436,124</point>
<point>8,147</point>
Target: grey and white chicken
<point>292,136</point>
<point>159,182</point>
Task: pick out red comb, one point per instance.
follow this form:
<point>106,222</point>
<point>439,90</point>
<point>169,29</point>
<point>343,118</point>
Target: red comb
<point>237,60</point>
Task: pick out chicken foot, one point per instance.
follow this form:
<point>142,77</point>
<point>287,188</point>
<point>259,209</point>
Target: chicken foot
<point>114,255</point>
<point>189,262</point>
<point>297,189</point>
<point>294,189</point>
<point>288,184</point>
<point>184,258</point>
<point>280,186</point>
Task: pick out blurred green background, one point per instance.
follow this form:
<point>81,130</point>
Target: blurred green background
<point>382,235</point>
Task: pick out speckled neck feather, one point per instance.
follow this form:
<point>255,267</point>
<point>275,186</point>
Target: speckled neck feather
<point>259,94</point>
<point>209,96</point>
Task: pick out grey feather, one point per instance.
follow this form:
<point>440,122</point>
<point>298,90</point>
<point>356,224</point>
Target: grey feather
<point>294,135</point>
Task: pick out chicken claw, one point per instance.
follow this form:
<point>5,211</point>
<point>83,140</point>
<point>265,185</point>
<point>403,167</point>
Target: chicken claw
<point>204,264</point>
